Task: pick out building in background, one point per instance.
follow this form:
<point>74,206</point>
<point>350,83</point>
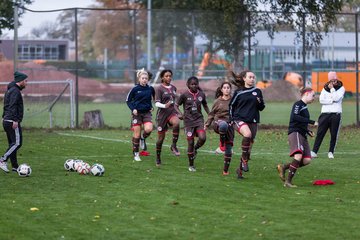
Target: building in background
<point>54,50</point>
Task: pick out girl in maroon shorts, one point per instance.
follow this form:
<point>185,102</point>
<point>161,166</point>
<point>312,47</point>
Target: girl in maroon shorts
<point>297,137</point>
<point>139,102</point>
<point>244,109</point>
<point>193,118</point>
<point>166,115</point>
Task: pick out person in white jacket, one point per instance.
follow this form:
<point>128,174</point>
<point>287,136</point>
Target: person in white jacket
<point>331,98</point>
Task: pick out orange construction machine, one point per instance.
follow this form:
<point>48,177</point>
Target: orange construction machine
<point>207,59</point>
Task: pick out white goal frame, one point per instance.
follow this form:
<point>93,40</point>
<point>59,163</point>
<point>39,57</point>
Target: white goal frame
<point>68,83</point>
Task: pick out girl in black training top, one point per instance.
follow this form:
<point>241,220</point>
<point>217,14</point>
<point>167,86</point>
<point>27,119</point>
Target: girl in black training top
<point>297,137</point>
<point>244,108</point>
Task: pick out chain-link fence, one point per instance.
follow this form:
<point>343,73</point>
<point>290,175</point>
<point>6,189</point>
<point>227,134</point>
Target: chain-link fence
<point>101,49</point>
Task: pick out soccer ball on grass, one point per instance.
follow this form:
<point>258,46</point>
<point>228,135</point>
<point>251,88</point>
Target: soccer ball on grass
<point>24,170</point>
<point>97,169</point>
<point>69,165</point>
<point>77,163</point>
<point>84,168</point>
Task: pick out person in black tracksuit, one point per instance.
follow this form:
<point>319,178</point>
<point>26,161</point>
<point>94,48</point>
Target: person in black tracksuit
<point>330,98</point>
<point>244,110</point>
<point>11,118</point>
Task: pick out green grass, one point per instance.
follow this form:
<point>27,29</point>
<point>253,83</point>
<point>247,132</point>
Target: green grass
<point>136,200</point>
<point>275,113</point>
<point>118,114</point>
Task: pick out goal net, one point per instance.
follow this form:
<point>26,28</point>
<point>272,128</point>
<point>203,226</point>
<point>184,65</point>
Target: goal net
<point>47,104</point>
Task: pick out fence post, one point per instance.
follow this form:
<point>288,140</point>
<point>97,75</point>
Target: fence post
<point>193,43</point>
<point>357,67</point>
<point>148,66</point>
<point>16,39</point>
<point>76,71</point>
<point>304,49</point>
<point>249,40</point>
<point>134,43</point>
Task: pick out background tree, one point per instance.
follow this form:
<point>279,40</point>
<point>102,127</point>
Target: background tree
<point>229,23</point>
<point>346,21</point>
<point>62,28</point>
<point>114,30</point>
<point>170,19</point>
<point>45,30</point>
<point>111,29</point>
<point>7,13</point>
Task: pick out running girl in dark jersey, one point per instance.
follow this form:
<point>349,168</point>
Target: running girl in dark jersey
<point>193,118</point>
<point>218,118</point>
<point>139,102</point>
<point>298,129</point>
<point>244,108</point>
<point>165,96</point>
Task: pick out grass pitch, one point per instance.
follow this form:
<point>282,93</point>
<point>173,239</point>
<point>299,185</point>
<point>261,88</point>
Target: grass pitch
<point>136,200</point>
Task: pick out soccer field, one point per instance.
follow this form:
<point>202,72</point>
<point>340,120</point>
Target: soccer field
<point>118,114</point>
<point>136,200</point>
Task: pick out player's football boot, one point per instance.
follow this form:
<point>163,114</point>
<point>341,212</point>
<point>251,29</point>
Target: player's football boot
<point>239,174</point>
<point>3,166</point>
<point>137,157</point>
<point>281,170</point>
<point>244,165</point>
<point>219,151</point>
<point>143,145</point>
<point>174,150</point>
<point>289,184</point>
<point>158,162</point>
<point>192,169</point>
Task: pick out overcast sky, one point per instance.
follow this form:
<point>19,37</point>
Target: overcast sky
<point>31,20</point>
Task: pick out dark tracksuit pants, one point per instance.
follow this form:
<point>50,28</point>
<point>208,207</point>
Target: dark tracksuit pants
<point>14,137</point>
<point>327,121</point>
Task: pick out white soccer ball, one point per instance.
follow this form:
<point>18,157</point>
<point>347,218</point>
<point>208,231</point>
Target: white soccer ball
<point>84,168</point>
<point>24,170</point>
<point>97,169</point>
<point>69,165</point>
<point>77,164</point>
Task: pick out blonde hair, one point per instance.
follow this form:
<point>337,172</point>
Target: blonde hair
<point>141,72</point>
